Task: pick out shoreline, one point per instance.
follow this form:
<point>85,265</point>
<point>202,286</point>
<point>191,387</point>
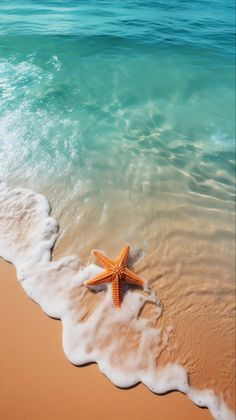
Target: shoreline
<point>41,383</point>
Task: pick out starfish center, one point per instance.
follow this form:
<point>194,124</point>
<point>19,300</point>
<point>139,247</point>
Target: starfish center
<point>117,270</point>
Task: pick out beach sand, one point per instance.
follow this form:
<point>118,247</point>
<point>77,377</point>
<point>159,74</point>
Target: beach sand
<point>190,264</point>
<point>38,382</point>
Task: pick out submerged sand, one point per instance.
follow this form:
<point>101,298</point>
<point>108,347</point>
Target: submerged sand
<point>39,383</point>
<point>189,262</point>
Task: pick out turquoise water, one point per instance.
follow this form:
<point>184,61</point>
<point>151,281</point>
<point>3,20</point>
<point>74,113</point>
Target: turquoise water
<point>132,96</point>
<point>122,114</point>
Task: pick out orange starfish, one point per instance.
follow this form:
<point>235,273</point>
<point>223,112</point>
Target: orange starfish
<point>116,273</point>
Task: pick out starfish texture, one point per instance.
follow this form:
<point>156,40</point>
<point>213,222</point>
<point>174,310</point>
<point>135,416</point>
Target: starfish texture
<point>116,273</point>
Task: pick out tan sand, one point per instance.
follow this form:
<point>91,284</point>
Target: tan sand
<point>38,382</point>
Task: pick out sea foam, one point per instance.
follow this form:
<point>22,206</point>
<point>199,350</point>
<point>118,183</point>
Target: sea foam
<point>122,342</point>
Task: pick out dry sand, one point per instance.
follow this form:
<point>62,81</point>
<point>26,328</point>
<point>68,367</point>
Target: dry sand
<point>38,382</point>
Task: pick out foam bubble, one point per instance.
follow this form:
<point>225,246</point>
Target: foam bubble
<point>123,343</point>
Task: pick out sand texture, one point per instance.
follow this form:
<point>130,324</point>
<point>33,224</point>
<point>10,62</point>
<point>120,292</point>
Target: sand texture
<point>38,382</point>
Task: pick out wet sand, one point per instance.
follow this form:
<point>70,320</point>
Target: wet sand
<point>38,382</point>
<point>189,262</point>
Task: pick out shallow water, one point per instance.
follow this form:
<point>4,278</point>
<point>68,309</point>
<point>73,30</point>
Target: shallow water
<point>122,114</point>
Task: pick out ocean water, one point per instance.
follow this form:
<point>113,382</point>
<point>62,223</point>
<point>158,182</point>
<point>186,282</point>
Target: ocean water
<point>122,114</point>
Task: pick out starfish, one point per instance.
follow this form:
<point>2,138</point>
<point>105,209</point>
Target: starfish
<point>116,273</point>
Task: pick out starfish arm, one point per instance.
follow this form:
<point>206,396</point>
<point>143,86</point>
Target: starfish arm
<point>117,291</point>
<point>124,255</point>
<point>104,277</point>
<point>103,259</point>
<point>132,278</point>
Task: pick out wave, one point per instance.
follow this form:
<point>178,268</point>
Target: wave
<point>125,344</point>
<point>145,21</point>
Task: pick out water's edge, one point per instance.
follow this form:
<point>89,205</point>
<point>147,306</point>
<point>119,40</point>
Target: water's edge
<point>27,236</point>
